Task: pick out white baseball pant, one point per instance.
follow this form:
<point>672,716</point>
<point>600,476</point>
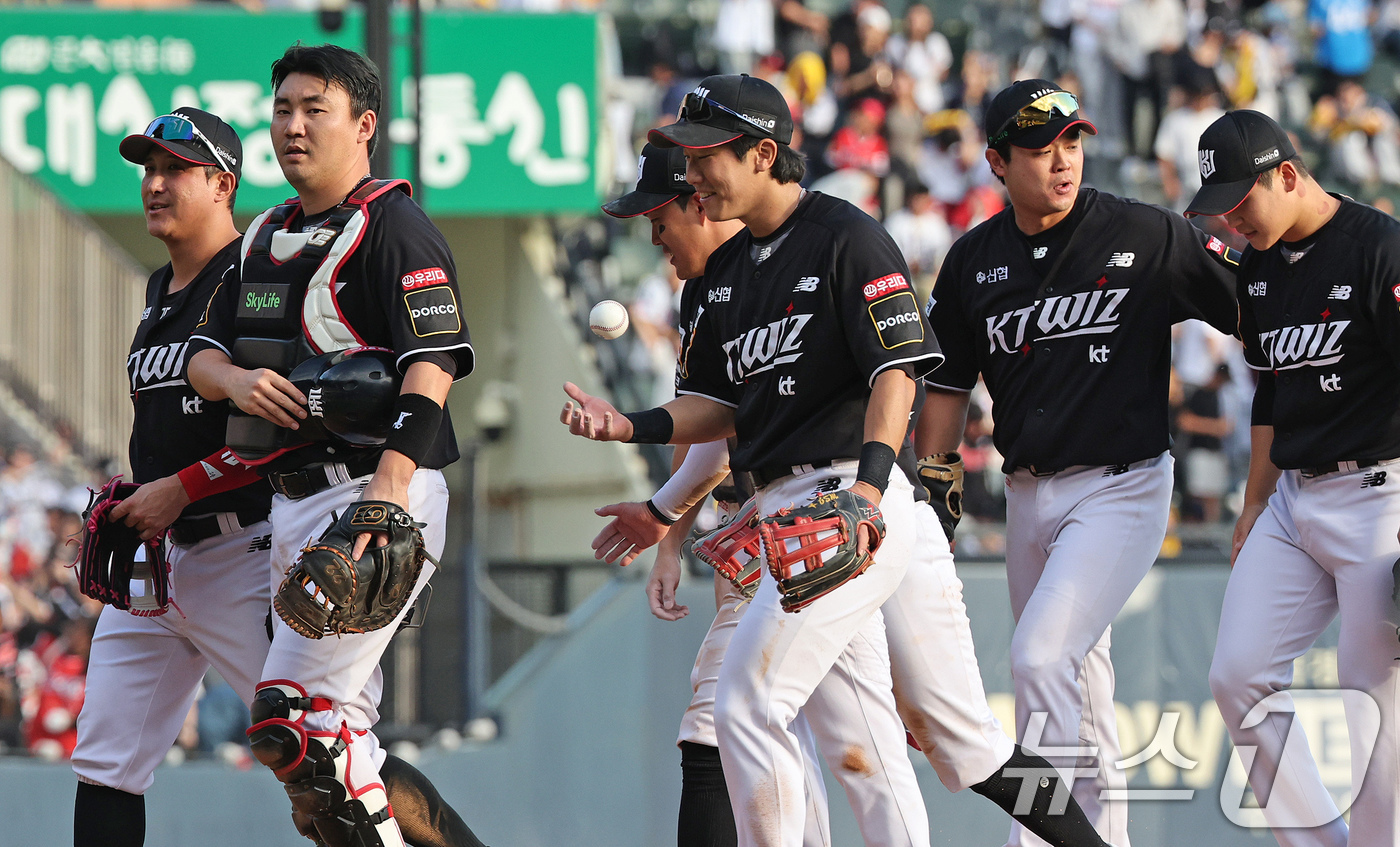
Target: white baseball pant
<point>698,722</point>
<point>1077,545</point>
<point>345,669</point>
<point>937,683</point>
<point>774,664</point>
<point>144,673</point>
<point>1324,547</point>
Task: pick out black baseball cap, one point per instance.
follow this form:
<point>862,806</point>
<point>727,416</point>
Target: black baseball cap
<point>191,134</point>
<point>725,107</point>
<point>1032,113</point>
<point>1232,153</point>
<point>660,179</point>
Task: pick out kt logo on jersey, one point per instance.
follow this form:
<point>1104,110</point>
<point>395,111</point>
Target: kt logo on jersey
<point>1085,313</point>
<point>764,348</point>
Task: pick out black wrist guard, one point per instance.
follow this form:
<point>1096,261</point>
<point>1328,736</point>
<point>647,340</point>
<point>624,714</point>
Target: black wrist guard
<point>654,426</point>
<point>416,422</point>
<point>876,460</point>
<point>659,515</point>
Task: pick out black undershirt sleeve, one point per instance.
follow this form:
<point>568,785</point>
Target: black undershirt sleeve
<point>1261,413</point>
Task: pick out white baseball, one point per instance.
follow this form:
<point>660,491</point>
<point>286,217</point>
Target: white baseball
<point>608,319</point>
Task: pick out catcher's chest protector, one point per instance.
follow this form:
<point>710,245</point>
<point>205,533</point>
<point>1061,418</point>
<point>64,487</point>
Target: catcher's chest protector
<point>289,277</point>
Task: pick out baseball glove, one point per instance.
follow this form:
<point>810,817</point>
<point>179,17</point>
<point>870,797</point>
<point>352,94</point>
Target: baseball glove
<point>107,556</point>
<point>733,550</point>
<point>942,475</point>
<point>328,593</point>
<point>812,550</point>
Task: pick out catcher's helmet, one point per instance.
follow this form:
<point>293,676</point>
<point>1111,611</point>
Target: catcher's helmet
<point>351,393</point>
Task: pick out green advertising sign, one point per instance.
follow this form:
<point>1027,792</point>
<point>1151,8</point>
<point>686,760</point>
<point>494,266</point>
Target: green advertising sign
<point>510,101</point>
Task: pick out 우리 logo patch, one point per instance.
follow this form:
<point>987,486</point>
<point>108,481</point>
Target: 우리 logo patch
<point>877,288</point>
<point>423,278</point>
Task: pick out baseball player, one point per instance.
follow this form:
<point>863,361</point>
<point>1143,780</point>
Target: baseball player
<point>688,238</point>
<point>145,670</point>
<point>351,262</point>
<point>1064,303</point>
<point>806,349</point>
<point>937,684</point>
<point>1319,288</point>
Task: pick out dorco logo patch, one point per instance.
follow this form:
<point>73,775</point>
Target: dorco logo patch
<point>433,311</point>
<point>423,278</point>
<point>877,288</point>
<point>897,320</point>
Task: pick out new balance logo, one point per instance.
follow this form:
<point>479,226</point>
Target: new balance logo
<point>1374,479</point>
<point>1115,470</point>
<point>261,543</point>
<point>827,486</point>
<point>1340,292</point>
<point>807,284</point>
<point>1039,252</point>
<point>1121,260</point>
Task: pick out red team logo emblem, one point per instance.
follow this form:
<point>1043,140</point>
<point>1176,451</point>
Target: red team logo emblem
<point>1396,292</point>
<point>423,278</point>
<point>884,285</point>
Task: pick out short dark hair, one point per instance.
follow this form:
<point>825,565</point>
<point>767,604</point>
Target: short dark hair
<point>789,167</point>
<point>353,73</point>
<point>1266,178</point>
<point>210,171</point>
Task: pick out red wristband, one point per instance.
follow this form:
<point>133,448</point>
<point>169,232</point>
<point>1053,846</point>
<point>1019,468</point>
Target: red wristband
<point>215,474</point>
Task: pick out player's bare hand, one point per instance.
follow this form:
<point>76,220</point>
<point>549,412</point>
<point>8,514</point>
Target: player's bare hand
<point>269,395</point>
<point>633,528</point>
<point>382,486</point>
<point>874,495</point>
<point>661,587</point>
<point>1248,515</point>
<point>593,417</point>
<point>153,507</point>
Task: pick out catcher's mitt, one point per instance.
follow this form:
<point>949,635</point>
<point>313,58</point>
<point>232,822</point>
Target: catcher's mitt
<point>812,550</point>
<point>107,556</point>
<point>326,593</point>
<point>733,550</point>
<point>942,475</point>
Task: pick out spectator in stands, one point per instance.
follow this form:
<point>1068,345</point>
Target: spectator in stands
<point>654,313</point>
<point>976,85</point>
<point>1150,34</point>
<point>800,29</point>
<point>743,33</point>
<point>51,731</point>
<point>1343,49</point>
<point>904,127</point>
<point>922,234</point>
<point>1181,128</point>
<point>859,144</point>
<point>868,68</point>
<point>1203,424</point>
<point>1250,73</point>
<point>924,53</point>
<point>1361,133</point>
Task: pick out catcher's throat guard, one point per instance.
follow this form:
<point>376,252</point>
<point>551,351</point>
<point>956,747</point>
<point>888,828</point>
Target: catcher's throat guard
<point>812,550</point>
<point>112,558</point>
<point>328,593</point>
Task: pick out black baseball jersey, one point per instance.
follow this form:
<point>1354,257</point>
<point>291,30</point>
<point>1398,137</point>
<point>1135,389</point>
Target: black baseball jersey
<point>174,426</point>
<point>791,331</point>
<point>1077,356</point>
<point>1322,321</point>
<point>397,289</point>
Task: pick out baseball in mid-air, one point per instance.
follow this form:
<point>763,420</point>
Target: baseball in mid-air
<point>608,319</point>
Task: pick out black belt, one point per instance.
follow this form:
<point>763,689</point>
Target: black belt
<point>772,473</point>
<point>187,532</point>
<point>303,482</point>
<point>1333,467</point>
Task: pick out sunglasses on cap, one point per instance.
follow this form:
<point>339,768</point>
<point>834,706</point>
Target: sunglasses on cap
<point>697,109</point>
<point>1039,112</point>
<point>176,128</point>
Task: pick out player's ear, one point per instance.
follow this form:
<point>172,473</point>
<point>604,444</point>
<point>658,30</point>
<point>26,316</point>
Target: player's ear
<point>997,163</point>
<point>227,185</point>
<point>368,122</point>
<point>765,155</point>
